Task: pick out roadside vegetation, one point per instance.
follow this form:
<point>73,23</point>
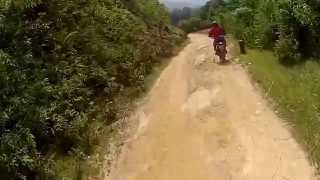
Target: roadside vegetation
<point>295,94</point>
<point>66,68</point>
<point>188,19</point>
<point>283,37</point>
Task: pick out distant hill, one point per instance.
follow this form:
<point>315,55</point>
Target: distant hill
<point>176,5</point>
<point>172,4</point>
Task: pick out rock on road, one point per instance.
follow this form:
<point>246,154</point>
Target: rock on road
<point>202,121</point>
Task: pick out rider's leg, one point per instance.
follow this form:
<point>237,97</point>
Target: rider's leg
<point>215,45</point>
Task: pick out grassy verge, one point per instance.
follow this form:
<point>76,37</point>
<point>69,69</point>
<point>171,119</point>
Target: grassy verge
<point>295,92</point>
<point>80,166</point>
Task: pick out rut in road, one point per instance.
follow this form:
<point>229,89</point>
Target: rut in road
<point>202,121</point>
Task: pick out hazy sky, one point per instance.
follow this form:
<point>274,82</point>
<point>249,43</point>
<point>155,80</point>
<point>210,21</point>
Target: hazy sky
<point>184,2</point>
<point>189,1</point>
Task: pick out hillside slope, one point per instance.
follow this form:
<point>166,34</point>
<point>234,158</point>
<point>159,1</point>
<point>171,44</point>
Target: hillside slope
<point>62,62</point>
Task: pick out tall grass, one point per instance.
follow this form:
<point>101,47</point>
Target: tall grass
<point>295,92</point>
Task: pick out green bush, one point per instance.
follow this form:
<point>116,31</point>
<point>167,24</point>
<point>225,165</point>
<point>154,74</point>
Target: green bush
<point>60,62</point>
<point>287,51</point>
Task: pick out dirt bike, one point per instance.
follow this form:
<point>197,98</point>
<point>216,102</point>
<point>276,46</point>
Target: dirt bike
<point>221,52</point>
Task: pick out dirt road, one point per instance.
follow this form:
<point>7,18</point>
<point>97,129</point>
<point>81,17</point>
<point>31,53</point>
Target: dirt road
<point>202,121</point>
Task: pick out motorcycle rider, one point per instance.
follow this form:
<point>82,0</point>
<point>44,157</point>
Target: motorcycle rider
<point>217,33</point>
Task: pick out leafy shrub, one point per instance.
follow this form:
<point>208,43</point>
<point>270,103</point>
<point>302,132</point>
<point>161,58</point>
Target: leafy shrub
<point>60,62</point>
<point>18,153</point>
<point>287,51</point>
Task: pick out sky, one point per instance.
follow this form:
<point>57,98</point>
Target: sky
<point>183,3</point>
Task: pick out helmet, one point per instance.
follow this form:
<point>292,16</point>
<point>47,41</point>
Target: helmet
<point>214,23</point>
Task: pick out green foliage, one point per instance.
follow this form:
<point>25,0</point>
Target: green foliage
<point>287,51</point>
<point>286,25</point>
<point>194,24</point>
<point>18,153</point>
<point>60,62</point>
<point>189,19</point>
<point>211,9</point>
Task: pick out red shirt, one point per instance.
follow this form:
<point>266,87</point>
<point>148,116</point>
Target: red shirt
<point>216,31</point>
